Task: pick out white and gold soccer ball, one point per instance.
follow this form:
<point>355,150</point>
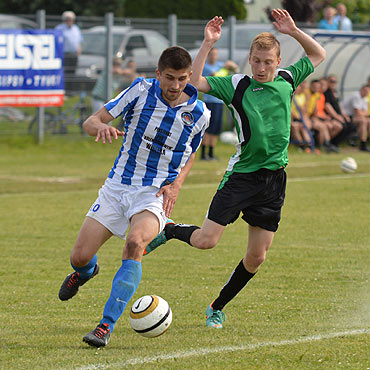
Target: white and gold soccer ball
<point>348,165</point>
<point>150,316</point>
<point>229,137</point>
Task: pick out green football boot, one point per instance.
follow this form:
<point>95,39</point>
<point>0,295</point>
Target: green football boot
<point>215,318</point>
<point>160,239</point>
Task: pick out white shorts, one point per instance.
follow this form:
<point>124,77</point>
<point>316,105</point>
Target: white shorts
<point>117,203</point>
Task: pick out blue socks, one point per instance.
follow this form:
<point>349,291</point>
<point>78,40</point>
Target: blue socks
<point>124,285</point>
<point>86,271</point>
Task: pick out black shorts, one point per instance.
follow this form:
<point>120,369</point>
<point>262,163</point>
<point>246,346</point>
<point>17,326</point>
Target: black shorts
<point>258,195</point>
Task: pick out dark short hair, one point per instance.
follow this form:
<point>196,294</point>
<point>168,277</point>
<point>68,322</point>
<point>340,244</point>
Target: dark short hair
<point>175,58</point>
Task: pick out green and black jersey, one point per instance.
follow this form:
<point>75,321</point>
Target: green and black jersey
<point>261,114</point>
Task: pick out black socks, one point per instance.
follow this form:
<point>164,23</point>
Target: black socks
<point>237,281</point>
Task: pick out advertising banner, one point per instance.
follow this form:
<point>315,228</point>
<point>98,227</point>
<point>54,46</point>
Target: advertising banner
<point>31,68</point>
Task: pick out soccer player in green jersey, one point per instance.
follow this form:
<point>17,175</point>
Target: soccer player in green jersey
<point>254,182</point>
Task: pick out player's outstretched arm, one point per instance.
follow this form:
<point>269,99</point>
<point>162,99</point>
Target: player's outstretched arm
<point>284,23</point>
<point>97,125</point>
<point>212,33</point>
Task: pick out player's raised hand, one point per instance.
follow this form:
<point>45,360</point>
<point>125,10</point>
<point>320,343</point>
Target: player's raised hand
<point>106,133</point>
<point>212,31</point>
<point>284,23</point>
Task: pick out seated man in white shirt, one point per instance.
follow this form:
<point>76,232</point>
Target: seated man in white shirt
<point>356,106</point>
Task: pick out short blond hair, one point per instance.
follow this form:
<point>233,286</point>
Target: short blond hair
<point>265,41</point>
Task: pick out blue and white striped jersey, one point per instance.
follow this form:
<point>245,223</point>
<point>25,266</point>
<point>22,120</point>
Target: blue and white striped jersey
<point>158,139</point>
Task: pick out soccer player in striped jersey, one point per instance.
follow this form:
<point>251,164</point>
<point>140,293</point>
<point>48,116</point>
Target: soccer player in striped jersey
<point>255,180</point>
<point>164,126</point>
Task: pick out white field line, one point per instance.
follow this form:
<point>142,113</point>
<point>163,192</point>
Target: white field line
<point>66,180</point>
<point>222,349</point>
<point>212,185</point>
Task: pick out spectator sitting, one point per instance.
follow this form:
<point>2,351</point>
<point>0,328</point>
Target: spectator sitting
<point>334,109</point>
<point>131,75</point>
<point>99,97</point>
<point>356,106</point>
<point>327,23</point>
<point>320,121</point>
<point>341,19</point>
<point>300,123</point>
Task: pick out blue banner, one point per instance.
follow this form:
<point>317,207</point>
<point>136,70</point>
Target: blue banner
<point>31,68</point>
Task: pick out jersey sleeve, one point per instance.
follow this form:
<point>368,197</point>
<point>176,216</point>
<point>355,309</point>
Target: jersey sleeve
<point>300,70</point>
<point>125,100</point>
<point>221,87</point>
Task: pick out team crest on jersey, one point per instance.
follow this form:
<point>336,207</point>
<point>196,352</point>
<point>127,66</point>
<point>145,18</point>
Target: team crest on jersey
<point>187,118</point>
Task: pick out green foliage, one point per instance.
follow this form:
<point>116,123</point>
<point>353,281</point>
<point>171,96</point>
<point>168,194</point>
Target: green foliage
<point>88,8</point>
<point>185,9</point>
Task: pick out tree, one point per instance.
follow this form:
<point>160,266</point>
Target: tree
<point>185,9</point>
<point>90,8</point>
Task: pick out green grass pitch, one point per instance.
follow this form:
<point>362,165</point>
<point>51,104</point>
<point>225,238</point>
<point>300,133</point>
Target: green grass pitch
<point>307,308</point>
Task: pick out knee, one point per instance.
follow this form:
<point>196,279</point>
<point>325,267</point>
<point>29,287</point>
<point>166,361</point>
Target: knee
<point>134,244</point>
<point>254,260</point>
<point>79,258</point>
<point>205,242</point>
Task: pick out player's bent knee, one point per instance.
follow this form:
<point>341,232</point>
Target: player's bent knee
<point>133,245</point>
<point>79,258</point>
<point>206,243</point>
<point>255,260</point>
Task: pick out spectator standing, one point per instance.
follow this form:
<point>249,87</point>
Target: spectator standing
<point>72,41</point>
<point>327,23</point>
<point>356,106</point>
<point>341,19</point>
<point>300,124</point>
<point>213,67</point>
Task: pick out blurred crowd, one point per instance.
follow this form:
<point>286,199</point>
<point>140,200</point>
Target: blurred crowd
<point>335,19</point>
<point>321,120</point>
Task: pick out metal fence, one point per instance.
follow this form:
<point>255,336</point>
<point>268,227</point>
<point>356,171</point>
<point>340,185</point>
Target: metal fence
<point>69,118</point>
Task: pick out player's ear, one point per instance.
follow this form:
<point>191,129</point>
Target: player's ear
<point>157,73</point>
<point>279,60</point>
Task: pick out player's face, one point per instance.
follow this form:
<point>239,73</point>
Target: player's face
<point>263,64</point>
<point>173,82</point>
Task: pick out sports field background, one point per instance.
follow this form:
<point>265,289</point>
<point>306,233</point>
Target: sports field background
<point>307,308</point>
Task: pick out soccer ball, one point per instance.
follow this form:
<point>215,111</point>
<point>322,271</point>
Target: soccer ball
<point>348,165</point>
<point>150,316</point>
<point>229,137</point>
